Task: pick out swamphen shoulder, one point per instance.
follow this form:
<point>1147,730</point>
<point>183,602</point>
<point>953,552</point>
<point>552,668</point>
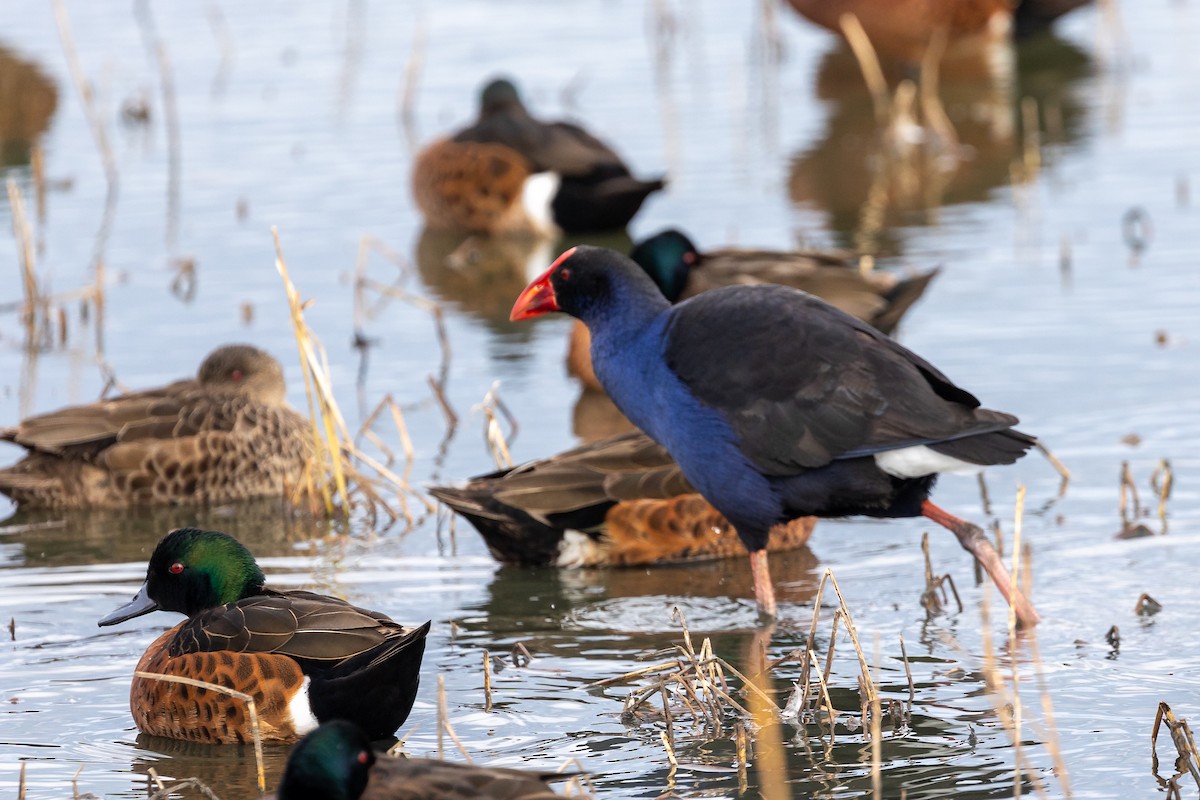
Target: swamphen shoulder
<point>777,405</point>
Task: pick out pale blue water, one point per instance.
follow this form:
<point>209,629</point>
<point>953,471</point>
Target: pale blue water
<point>303,129</point>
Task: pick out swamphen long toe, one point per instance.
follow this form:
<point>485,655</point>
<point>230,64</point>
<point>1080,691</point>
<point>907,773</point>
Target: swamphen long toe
<point>777,405</point>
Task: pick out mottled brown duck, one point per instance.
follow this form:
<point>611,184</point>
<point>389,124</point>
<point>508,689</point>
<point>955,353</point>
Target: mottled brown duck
<point>621,501</point>
<point>510,172</point>
<point>681,271</point>
<point>227,434</point>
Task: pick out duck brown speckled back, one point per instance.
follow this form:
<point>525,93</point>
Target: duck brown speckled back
<point>226,435</point>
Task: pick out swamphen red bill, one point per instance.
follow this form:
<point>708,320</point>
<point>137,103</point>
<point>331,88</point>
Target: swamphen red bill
<point>777,405</point>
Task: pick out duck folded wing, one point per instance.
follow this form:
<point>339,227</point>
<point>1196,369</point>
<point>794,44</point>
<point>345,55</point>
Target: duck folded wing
<point>626,467</point>
<point>302,625</point>
<point>555,147</point>
<point>78,429</point>
<point>802,384</point>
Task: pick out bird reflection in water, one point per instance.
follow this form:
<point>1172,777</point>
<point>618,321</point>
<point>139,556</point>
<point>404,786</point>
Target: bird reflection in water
<point>1000,116</point>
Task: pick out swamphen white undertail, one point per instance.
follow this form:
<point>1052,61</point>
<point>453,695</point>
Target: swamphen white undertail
<point>777,405</point>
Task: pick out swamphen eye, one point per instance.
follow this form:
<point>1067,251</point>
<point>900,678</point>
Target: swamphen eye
<point>564,274</point>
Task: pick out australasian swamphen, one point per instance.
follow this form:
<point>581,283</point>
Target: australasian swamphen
<point>777,405</point>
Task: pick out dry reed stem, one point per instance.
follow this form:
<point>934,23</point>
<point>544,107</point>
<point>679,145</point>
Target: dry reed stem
<point>412,75</point>
<point>497,442</point>
<point>444,722</point>
<point>831,712</point>
<point>200,786</point>
<point>319,395</point>
<point>95,122</point>
<point>1014,588</point>
<point>23,233</point>
<point>158,49</point>
<point>876,737</point>
<point>37,165</point>
<point>1059,467</point>
<point>332,443</point>
<point>221,32</point>
<point>251,711</point>
<point>912,691</point>
<point>487,681</point>
<point>21,783</point>
<point>1181,737</point>
<point>1050,738</point>
<point>850,629</point>
<point>1161,481</point>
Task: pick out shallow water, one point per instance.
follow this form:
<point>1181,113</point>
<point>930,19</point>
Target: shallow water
<point>291,118</point>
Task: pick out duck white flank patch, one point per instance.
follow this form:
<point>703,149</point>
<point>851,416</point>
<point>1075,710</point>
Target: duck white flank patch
<point>577,549</point>
<point>536,196</point>
<point>303,719</point>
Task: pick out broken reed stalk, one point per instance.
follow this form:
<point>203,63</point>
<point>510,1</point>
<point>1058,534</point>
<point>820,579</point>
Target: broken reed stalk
<point>497,442</point>
<point>1161,481</point>
<point>1181,737</point>
<point>444,723</point>
<point>487,681</point>
<point>251,709</point>
<point>173,790</point>
<point>1059,467</point>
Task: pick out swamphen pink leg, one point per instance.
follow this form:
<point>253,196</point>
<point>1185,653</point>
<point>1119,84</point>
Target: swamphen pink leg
<point>764,590</point>
<point>973,540</point>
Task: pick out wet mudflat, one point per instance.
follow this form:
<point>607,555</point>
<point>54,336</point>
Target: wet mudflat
<point>1054,302</point>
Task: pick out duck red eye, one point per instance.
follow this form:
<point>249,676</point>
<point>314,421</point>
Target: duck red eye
<point>175,568</point>
<point>363,757</point>
<point>236,375</point>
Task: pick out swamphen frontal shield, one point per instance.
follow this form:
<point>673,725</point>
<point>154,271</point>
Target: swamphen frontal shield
<point>777,405</point>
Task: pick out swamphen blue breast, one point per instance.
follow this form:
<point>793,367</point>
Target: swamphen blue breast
<point>777,405</point>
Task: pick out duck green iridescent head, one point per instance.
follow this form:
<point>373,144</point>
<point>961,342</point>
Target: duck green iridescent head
<point>193,570</point>
<point>498,94</point>
<point>331,763</point>
<point>667,257</point>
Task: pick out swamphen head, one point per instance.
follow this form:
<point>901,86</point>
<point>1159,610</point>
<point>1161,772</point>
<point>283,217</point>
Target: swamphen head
<point>589,283</point>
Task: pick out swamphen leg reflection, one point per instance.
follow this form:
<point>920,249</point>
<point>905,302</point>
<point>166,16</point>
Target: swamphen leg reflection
<point>973,540</point>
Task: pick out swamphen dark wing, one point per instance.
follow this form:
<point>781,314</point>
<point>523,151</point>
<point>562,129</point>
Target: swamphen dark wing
<point>802,384</point>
